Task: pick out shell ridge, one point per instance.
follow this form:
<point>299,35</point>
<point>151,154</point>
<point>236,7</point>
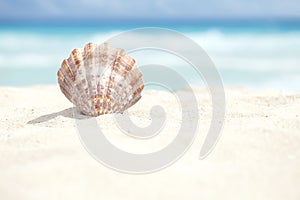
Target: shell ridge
<point>75,67</point>
<point>90,51</point>
<point>108,70</point>
<point>80,93</point>
<point>65,83</point>
<point>123,90</point>
<point>106,61</point>
<point>129,79</point>
<point>110,75</point>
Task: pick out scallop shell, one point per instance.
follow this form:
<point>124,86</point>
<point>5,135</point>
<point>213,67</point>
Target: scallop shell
<point>100,79</point>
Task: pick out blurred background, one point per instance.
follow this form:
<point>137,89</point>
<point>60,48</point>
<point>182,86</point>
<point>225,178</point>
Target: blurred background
<point>252,43</point>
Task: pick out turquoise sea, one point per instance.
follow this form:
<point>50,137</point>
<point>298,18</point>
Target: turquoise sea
<point>247,54</point>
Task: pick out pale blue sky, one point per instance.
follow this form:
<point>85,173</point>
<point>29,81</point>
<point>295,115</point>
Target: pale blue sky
<point>147,9</point>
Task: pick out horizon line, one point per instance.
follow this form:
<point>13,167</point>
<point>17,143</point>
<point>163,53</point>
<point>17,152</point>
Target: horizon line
<point>259,20</point>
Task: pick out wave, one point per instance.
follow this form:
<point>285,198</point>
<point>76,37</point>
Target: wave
<point>265,57</point>
<point>227,50</point>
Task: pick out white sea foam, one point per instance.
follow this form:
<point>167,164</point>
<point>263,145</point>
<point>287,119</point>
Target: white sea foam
<point>266,57</point>
<point>228,50</point>
<point>264,51</point>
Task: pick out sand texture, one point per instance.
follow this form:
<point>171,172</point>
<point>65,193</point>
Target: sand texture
<point>257,157</point>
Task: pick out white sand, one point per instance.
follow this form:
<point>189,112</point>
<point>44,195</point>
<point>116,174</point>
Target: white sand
<point>257,157</point>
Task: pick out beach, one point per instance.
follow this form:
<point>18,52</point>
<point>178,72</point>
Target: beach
<point>257,156</point>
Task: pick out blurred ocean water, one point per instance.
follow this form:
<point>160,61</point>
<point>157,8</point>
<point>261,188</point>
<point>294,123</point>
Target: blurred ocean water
<point>259,56</point>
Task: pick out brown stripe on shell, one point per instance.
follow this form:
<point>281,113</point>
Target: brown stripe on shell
<point>66,67</point>
<point>65,83</point>
<point>77,57</point>
<point>126,61</point>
